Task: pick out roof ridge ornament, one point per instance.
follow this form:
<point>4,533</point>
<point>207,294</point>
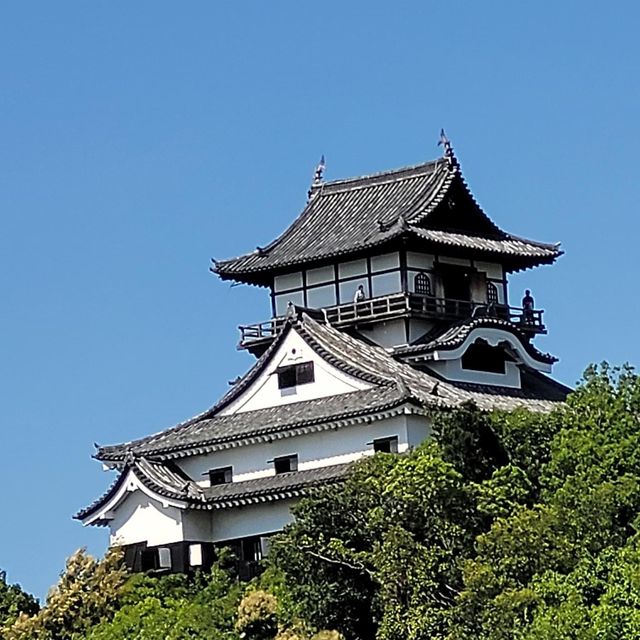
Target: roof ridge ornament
<point>318,177</point>
<point>448,152</point>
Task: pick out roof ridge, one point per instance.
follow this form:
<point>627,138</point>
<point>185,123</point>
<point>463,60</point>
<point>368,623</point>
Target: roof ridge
<point>380,177</point>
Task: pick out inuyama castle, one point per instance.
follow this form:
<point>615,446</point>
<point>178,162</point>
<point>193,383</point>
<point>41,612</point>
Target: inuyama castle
<point>389,300</point>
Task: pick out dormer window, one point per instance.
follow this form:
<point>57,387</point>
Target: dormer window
<point>386,445</point>
<point>295,374</point>
<point>481,356</point>
<point>286,464</point>
<point>223,475</point>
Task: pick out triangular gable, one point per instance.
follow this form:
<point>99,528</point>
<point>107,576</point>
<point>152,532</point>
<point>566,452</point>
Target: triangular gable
<point>130,481</point>
<point>263,391</point>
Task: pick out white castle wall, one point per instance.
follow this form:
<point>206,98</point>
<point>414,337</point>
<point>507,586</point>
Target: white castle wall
<point>252,520</point>
<point>140,518</point>
<point>314,450</point>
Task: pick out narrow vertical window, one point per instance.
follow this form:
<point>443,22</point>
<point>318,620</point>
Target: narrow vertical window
<point>164,558</point>
<point>422,284</point>
<point>492,293</point>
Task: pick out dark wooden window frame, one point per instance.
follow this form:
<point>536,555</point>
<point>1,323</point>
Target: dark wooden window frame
<point>422,284</point>
<point>220,475</point>
<point>285,464</point>
<point>388,444</point>
<point>492,293</point>
<point>293,375</point>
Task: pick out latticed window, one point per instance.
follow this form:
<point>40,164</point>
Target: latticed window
<point>422,284</point>
<point>492,293</point>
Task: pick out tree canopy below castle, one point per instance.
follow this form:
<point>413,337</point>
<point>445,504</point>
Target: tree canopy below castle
<point>504,526</point>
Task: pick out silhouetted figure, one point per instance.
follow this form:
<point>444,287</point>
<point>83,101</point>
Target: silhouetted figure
<point>360,295</point>
<point>527,307</point>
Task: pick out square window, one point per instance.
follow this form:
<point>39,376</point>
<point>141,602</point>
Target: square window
<point>386,445</point>
<point>286,464</point>
<point>224,475</point>
<point>295,374</point>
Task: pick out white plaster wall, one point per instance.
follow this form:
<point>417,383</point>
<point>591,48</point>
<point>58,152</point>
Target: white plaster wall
<point>264,392</point>
<point>252,520</point>
<point>320,275</point>
<point>140,518</point>
<point>314,450</point>
<point>386,334</point>
<point>419,261</point>
<point>419,428</point>
<point>353,268</point>
<point>417,328</point>
<point>283,300</point>
<point>385,261</point>
<point>287,281</point>
<point>493,270</point>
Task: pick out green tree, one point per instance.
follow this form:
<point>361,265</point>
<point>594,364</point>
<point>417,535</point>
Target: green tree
<point>88,591</point>
<point>176,607</point>
<point>541,570</point>
<point>383,552</point>
<point>14,601</point>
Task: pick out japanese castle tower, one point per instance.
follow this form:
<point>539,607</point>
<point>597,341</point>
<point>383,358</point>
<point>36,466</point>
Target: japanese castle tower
<point>389,298</point>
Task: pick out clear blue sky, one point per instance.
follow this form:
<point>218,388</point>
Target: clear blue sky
<point>138,140</point>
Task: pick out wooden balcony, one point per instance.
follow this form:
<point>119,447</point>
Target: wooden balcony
<point>399,305</point>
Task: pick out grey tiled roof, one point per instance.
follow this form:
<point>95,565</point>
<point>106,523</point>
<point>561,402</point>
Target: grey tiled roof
<point>210,432</point>
<point>395,386</point>
<point>454,336</point>
<point>348,216</point>
<point>167,481</point>
<point>164,479</point>
<point>393,383</point>
<point>277,487</point>
<point>511,245</point>
<point>425,386</point>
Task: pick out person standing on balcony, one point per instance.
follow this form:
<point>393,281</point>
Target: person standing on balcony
<point>360,295</point>
<point>527,307</point>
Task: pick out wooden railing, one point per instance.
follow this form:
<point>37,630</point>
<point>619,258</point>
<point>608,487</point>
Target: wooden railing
<point>400,304</point>
<point>377,308</point>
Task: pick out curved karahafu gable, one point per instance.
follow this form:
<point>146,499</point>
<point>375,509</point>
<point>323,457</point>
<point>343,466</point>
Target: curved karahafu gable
<point>452,342</point>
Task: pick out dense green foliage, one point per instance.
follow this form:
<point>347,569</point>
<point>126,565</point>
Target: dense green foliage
<point>504,526</point>
<point>14,601</point>
<point>512,525</point>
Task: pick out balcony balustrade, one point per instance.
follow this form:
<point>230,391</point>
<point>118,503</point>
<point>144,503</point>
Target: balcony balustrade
<point>403,305</point>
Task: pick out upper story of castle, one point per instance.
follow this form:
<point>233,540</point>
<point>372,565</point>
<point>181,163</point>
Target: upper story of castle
<point>399,257</point>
